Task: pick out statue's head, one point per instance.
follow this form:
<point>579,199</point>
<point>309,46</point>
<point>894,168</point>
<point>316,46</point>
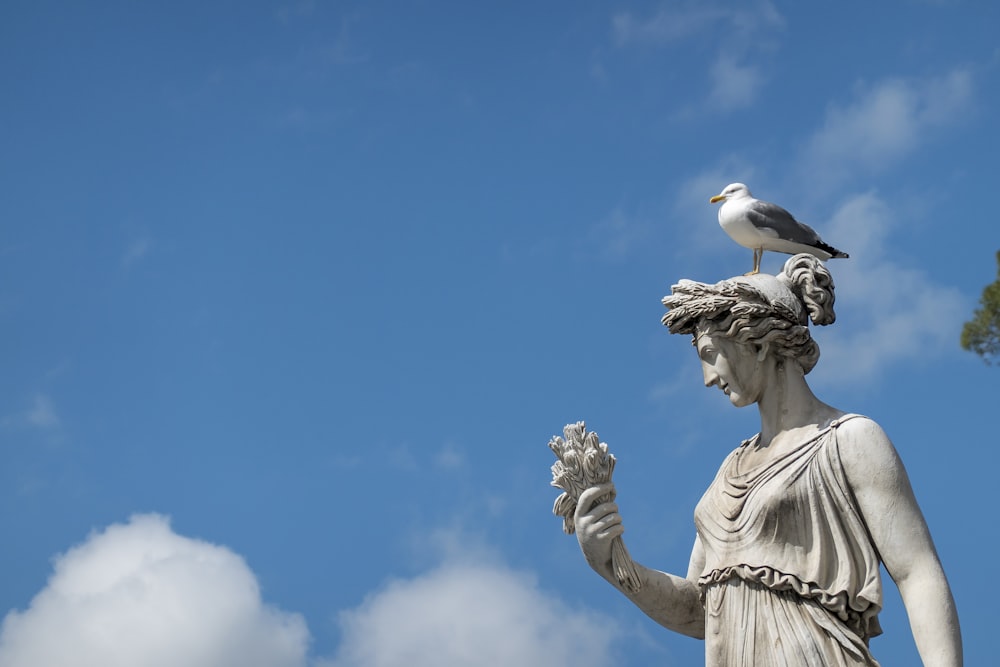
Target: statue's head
<point>759,309</point>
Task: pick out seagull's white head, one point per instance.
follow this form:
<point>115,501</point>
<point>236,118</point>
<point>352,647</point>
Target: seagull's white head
<point>731,191</point>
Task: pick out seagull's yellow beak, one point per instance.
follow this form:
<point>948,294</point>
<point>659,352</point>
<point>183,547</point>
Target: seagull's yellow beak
<point>716,199</point>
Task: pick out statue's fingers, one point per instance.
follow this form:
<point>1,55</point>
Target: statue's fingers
<point>612,532</point>
<point>592,495</point>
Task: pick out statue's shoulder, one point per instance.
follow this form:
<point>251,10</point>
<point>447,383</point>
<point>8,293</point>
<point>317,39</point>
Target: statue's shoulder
<point>852,427</point>
<point>863,446</point>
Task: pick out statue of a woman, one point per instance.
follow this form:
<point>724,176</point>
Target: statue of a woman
<point>790,534</point>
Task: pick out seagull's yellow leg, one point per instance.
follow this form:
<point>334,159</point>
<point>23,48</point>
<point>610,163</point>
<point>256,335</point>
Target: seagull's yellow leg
<point>758,253</point>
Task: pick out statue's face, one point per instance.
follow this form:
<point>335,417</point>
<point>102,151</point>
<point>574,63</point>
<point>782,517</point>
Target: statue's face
<point>732,367</point>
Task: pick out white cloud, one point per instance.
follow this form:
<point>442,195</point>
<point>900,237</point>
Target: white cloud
<point>740,33</point>
<point>897,313</point>
<point>471,615</point>
<point>674,23</point>
<point>135,251</point>
<point>886,122</point>
<point>734,86</point>
<point>664,26</point>
<point>139,594</point>
<point>450,457</point>
<point>42,413</point>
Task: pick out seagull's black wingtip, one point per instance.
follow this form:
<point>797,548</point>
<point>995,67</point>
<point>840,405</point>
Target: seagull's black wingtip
<point>833,252</point>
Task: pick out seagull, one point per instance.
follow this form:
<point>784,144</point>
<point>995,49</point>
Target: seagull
<point>761,225</point>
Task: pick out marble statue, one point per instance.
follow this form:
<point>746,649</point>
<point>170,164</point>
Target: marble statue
<point>790,534</point>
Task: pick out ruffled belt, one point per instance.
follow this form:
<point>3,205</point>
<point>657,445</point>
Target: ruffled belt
<point>863,622</point>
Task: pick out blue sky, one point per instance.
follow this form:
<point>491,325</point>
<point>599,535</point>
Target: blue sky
<point>295,294</point>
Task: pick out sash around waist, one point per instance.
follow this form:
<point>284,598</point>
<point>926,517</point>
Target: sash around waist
<point>863,621</point>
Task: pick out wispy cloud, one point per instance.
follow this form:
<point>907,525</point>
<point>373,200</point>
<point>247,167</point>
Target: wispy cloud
<point>139,594</point>
<point>895,312</point>
<point>450,457</point>
<point>675,22</point>
<point>136,251</point>
<point>42,413</point>
<point>402,458</point>
<point>885,122</point>
<point>665,26</point>
<point>734,85</point>
<point>745,33</point>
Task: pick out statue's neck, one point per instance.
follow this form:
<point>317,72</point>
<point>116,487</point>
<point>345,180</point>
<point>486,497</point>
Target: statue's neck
<point>788,404</point>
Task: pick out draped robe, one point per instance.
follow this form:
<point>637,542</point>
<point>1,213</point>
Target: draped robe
<point>791,576</point>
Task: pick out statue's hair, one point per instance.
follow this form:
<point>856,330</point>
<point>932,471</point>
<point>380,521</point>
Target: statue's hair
<point>759,308</point>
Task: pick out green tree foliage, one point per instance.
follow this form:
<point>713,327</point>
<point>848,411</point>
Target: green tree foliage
<point>981,334</point>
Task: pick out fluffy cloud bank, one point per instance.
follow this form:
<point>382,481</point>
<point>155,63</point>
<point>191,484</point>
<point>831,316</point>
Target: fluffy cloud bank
<point>471,616</point>
<point>139,594</point>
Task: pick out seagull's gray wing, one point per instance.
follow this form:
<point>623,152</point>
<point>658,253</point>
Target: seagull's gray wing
<point>774,220</point>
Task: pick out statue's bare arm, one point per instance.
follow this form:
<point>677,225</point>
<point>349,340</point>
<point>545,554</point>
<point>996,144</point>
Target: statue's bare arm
<point>673,602</point>
<point>897,526</point>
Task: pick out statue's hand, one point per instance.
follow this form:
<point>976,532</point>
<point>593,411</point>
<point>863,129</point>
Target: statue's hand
<point>596,527</point>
